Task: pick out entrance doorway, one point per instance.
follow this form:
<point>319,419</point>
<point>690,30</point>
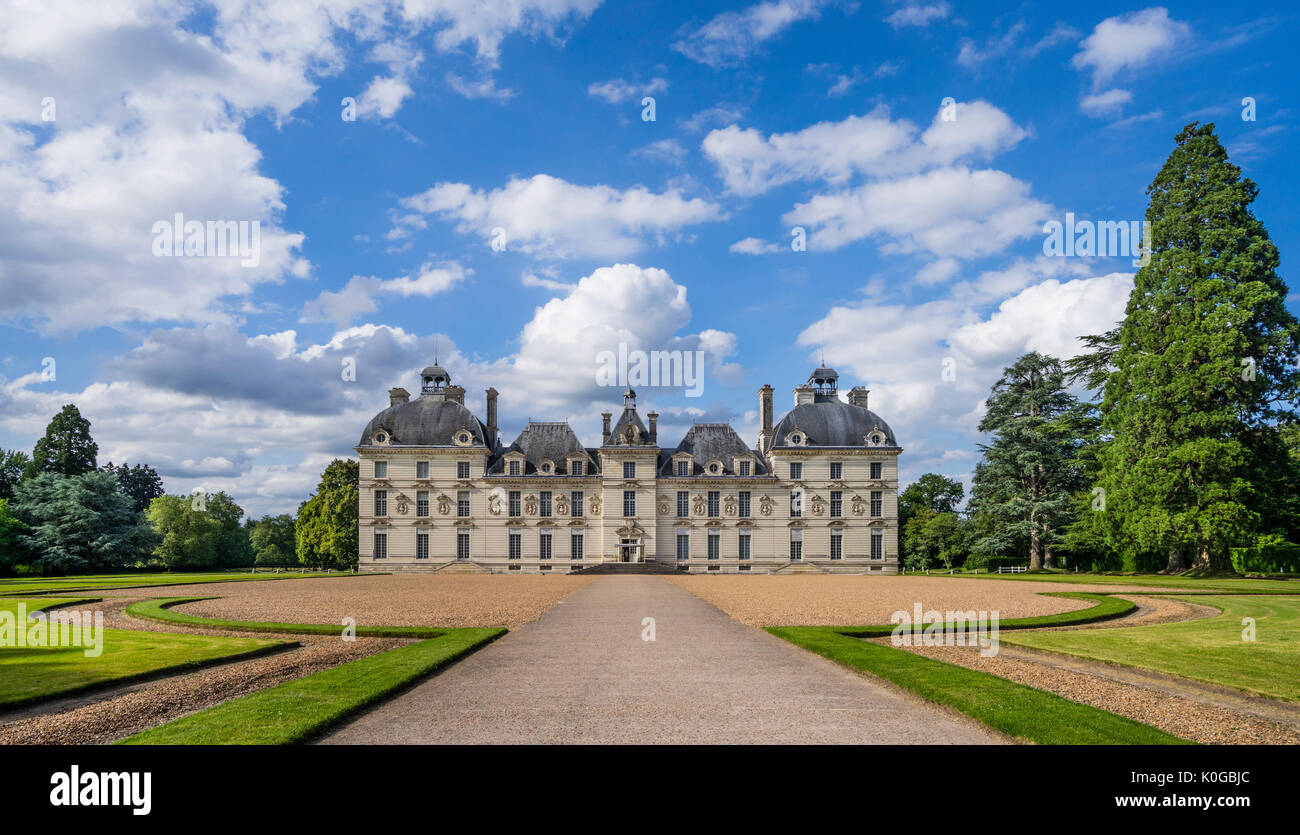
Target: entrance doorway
<point>629,550</point>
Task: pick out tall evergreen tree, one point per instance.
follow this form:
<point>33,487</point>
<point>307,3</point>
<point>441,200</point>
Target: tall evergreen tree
<point>80,523</point>
<point>1203,368</point>
<point>1025,482</point>
<point>12,464</point>
<point>140,483</point>
<point>66,448</point>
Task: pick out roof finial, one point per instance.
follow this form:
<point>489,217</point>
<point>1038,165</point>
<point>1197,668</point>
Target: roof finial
<point>435,349</point>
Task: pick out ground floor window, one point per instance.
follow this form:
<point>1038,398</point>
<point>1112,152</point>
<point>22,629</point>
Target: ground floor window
<point>744,545</point>
<point>462,545</point>
<point>837,545</point>
<point>544,545</point>
<point>575,546</point>
<point>381,545</point>
<point>683,546</point>
<point>877,545</point>
<point>421,545</point>
<point>516,545</point>
<point>715,545</point>
<point>796,545</point>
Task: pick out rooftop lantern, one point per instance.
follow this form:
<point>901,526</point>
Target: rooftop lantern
<point>434,379</point>
<point>825,383</point>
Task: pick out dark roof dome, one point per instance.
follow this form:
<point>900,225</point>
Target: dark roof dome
<point>832,423</point>
<point>425,421</point>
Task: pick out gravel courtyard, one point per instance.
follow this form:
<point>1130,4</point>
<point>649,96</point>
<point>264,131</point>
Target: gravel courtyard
<point>382,600</point>
<point>838,600</point>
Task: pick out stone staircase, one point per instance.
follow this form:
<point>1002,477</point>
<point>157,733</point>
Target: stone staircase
<point>460,567</point>
<point>629,568</point>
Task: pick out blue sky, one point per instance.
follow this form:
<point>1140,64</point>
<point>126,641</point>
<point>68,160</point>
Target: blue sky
<point>923,222</point>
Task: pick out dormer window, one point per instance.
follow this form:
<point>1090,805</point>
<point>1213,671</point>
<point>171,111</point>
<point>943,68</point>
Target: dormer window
<point>683,469</point>
<point>575,467</point>
<point>715,468</point>
<point>463,438</point>
<point>546,467</point>
<point>796,438</point>
<point>514,468</point>
<point>381,437</point>
<point>744,468</point>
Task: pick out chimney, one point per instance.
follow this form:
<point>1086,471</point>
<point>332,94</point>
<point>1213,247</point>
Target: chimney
<point>654,426</point>
<point>492,417</point>
<point>764,419</point>
<point>858,396</point>
<point>803,394</point>
<point>605,416</point>
<point>456,394</point>
<point>398,396</point>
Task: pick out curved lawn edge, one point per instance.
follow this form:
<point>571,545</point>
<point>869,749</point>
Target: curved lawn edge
<point>301,709</point>
<point>1107,607</point>
<point>1011,708</point>
<point>160,609</point>
<point>40,592</point>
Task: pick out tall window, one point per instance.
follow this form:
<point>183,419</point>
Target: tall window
<point>575,468</point>
<point>462,469</point>
<point>544,545</point>
<point>575,545</point>
<point>837,471</point>
<point>421,469</point>
<point>462,503</point>
<point>876,469</point>
<point>381,469</point>
<point>683,468</point>
<point>575,501</point>
<point>744,545</point>
<point>381,502</point>
<point>876,503</point>
<point>512,502</point>
<point>514,468</point>
<point>796,504</point>
<point>462,545</point>
<point>629,469</point>
<point>715,545</point>
<point>743,504</point>
<point>837,503</point>
<point>381,544</point>
<point>421,502</point>
<point>683,504</point>
<point>837,545</point>
<point>796,471</point>
<point>683,546</point>
<point>515,544</point>
<point>545,503</point>
<point>421,545</point>
<point>629,502</point>
<point>744,468</point>
<point>877,545</point>
<point>796,544</point>
<point>713,503</point>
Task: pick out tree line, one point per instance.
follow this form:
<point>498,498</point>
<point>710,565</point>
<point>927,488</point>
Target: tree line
<point>61,513</point>
<point>1187,454</point>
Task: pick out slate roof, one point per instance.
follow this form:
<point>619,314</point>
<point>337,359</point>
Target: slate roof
<point>707,442</point>
<point>542,440</point>
<point>832,423</point>
<point>424,421</point>
<point>628,418</point>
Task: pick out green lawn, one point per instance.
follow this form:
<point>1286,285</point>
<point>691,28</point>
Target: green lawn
<point>31,674</point>
<point>160,609</point>
<point>1014,709</point>
<point>1195,584</point>
<point>297,710</point>
<point>88,582</point>
<point>1209,650</point>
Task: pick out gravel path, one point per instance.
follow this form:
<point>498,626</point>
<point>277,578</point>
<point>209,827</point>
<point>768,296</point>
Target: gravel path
<point>388,599</point>
<point>841,600</point>
<point>583,674</point>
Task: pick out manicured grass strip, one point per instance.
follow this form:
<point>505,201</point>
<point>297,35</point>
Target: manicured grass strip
<point>1211,585</point>
<point>33,674</point>
<point>159,609</point>
<point>38,585</point>
<point>1212,650</point>
<point>302,708</point>
<point>1106,608</point>
<point>1014,709</point>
